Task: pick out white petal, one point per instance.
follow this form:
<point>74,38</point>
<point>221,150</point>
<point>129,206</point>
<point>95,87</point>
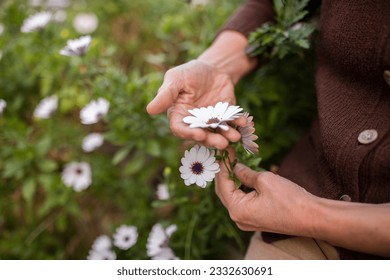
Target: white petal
<point>185,175</point>
<point>220,109</point>
<point>223,126</point>
<point>202,152</point>
<point>213,167</point>
<point>209,161</point>
<point>200,182</point>
<point>192,179</point>
<point>208,176</point>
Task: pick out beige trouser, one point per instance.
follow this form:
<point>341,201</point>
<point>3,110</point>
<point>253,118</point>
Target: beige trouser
<point>272,247</point>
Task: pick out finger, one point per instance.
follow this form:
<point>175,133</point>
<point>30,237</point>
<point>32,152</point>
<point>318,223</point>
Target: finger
<point>215,140</point>
<point>166,96</point>
<point>241,121</point>
<point>246,175</point>
<point>225,188</point>
<point>231,134</point>
<point>181,129</point>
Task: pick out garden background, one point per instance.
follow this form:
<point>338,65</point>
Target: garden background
<point>134,43</point>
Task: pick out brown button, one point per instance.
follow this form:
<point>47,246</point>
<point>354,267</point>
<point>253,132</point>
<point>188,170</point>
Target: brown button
<point>367,136</point>
<point>386,76</point>
<point>345,197</point>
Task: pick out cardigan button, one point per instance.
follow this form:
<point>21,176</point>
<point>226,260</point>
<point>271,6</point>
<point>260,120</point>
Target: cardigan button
<point>367,136</point>
<point>386,76</point>
<point>346,197</point>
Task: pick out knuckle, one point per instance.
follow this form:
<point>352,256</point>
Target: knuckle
<point>264,177</point>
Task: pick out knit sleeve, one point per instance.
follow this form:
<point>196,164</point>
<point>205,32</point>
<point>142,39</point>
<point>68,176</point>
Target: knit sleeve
<point>251,15</point>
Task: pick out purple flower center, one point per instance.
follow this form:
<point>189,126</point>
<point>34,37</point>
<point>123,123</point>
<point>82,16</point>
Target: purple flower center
<point>213,120</point>
<point>197,168</point>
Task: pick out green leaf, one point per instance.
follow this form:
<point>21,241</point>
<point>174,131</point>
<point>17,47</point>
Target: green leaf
<point>47,165</point>
<point>28,190</point>
<point>43,146</point>
<point>153,148</point>
<point>136,163</point>
<point>121,155</point>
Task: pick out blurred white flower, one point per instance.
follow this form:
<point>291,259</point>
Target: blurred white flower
<point>3,104</point>
<point>46,107</point>
<point>195,3</point>
<point>77,47</point>
<point>1,28</point>
<point>57,4</point>
<point>102,243</point>
<point>213,117</point>
<point>125,237</point>
<point>35,3</point>
<point>297,26</point>
<point>85,23</point>
<point>77,175</point>
<point>59,16</point>
<point>94,111</point>
<point>198,166</point>
<point>92,141</point>
<point>247,135</point>
<point>157,245</point>
<point>101,249</point>
<point>36,22</point>
<point>162,192</point>
<point>101,255</point>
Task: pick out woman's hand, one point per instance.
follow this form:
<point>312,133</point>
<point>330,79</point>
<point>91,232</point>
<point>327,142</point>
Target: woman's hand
<point>275,204</point>
<point>192,85</point>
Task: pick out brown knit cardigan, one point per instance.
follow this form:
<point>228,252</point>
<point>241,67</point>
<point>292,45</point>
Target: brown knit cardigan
<point>353,96</point>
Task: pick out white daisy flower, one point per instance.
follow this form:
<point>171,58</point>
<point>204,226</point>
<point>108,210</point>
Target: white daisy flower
<point>165,253</point>
<point>94,111</point>
<point>101,255</point>
<point>46,107</point>
<point>162,192</point>
<point>77,47</point>
<point>102,243</point>
<point>213,117</point>
<point>92,141</point>
<point>77,175</point>
<point>36,22</point>
<point>157,244</point>
<point>125,237</point>
<point>247,135</point>
<point>198,166</point>
<point>85,23</point>
<point>3,104</point>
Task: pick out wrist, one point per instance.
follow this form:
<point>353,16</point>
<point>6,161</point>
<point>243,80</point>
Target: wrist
<point>227,53</point>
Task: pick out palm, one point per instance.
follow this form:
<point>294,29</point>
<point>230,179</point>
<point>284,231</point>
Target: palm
<point>194,84</point>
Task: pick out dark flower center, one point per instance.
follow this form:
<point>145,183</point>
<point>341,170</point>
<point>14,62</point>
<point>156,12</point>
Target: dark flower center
<point>213,120</point>
<point>79,171</point>
<point>197,168</point>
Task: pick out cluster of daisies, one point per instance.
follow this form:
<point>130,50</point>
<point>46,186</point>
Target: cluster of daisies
<point>125,237</point>
<point>76,175</point>
<point>199,164</point>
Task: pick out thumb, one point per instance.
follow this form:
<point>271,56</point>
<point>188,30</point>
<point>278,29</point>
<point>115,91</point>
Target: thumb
<point>246,175</point>
<point>166,96</point>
